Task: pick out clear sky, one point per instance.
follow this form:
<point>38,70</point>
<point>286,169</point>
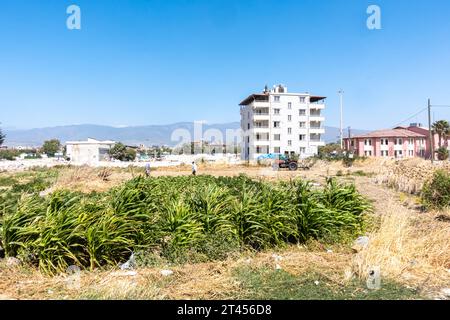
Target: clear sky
<point>156,62</point>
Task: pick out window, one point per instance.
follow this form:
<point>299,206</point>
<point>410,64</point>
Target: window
<point>302,137</point>
<point>411,141</point>
<point>302,124</point>
<point>248,139</point>
<point>276,124</point>
<point>289,130</point>
<point>248,126</point>
<point>398,153</point>
<point>248,115</point>
<point>302,112</point>
<point>289,105</point>
<point>302,99</point>
<point>368,142</point>
<point>276,98</point>
<point>258,149</point>
<point>277,137</point>
<point>368,153</point>
<point>399,141</point>
<point>302,150</point>
<point>276,150</point>
<point>276,111</point>
<point>411,153</point>
<point>289,118</point>
<point>384,142</point>
<point>289,142</point>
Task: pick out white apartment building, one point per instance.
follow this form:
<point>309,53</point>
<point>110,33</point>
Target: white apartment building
<point>281,122</point>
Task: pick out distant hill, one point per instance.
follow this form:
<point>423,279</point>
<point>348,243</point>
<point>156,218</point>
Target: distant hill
<point>147,135</point>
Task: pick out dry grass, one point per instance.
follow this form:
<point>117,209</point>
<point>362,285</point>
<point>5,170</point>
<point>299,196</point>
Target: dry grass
<point>409,247</point>
<point>88,179</point>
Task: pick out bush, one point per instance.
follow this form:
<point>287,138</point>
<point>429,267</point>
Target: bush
<point>181,218</point>
<point>442,153</point>
<point>9,154</point>
<point>436,191</point>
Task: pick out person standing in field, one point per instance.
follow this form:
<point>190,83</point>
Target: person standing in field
<point>194,168</point>
<point>147,169</point>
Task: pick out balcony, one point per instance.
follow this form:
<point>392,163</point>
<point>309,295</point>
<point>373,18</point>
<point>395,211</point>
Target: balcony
<point>317,106</point>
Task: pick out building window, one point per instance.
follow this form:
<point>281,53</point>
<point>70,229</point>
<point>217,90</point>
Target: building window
<point>248,139</point>
<point>276,124</point>
<point>302,99</point>
<point>411,141</point>
<point>302,137</point>
<point>302,150</point>
<point>398,153</point>
<point>276,111</point>
<point>384,142</point>
<point>276,150</point>
<point>289,142</point>
<point>289,130</point>
<point>277,137</point>
<point>248,126</point>
<point>368,153</point>
<point>276,98</point>
<point>258,149</point>
<point>302,124</point>
<point>399,141</point>
<point>302,112</point>
<point>368,142</point>
<point>289,105</point>
<point>411,153</point>
<point>289,118</point>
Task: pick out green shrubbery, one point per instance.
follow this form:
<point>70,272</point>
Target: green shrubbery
<point>436,191</point>
<point>171,216</point>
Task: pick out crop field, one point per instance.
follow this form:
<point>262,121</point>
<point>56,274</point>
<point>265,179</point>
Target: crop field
<point>230,232</point>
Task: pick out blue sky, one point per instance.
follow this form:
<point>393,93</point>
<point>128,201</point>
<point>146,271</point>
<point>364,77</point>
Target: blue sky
<point>156,62</point>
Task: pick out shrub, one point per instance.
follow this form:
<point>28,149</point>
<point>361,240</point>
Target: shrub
<point>436,191</point>
<point>181,218</point>
<point>442,153</point>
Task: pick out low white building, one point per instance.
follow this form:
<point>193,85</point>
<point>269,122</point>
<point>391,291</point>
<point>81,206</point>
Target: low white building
<point>88,152</point>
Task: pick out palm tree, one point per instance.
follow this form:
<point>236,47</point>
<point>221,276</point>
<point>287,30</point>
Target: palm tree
<point>440,127</point>
<point>2,137</point>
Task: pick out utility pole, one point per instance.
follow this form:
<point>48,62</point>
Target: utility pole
<point>430,131</point>
<point>341,133</point>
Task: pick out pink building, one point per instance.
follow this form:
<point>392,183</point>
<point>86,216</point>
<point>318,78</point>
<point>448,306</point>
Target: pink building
<point>399,142</point>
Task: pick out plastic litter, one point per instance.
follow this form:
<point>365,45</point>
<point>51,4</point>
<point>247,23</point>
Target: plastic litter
<point>130,264</point>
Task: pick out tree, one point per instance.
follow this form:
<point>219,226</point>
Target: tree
<point>441,128</point>
<point>120,152</point>
<point>2,137</point>
<point>50,147</point>
<point>329,149</point>
<point>442,153</point>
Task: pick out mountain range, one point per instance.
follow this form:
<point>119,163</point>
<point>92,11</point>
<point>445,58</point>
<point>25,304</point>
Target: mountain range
<point>147,135</point>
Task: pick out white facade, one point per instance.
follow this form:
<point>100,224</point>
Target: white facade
<point>88,152</point>
<point>277,121</point>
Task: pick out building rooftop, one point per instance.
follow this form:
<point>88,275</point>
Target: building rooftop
<point>398,132</point>
<point>91,141</point>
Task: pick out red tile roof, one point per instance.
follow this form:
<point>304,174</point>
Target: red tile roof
<point>391,133</point>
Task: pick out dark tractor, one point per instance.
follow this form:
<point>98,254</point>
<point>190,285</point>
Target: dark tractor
<point>284,162</point>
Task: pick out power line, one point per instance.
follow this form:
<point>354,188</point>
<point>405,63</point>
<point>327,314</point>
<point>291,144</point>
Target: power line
<point>414,115</point>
